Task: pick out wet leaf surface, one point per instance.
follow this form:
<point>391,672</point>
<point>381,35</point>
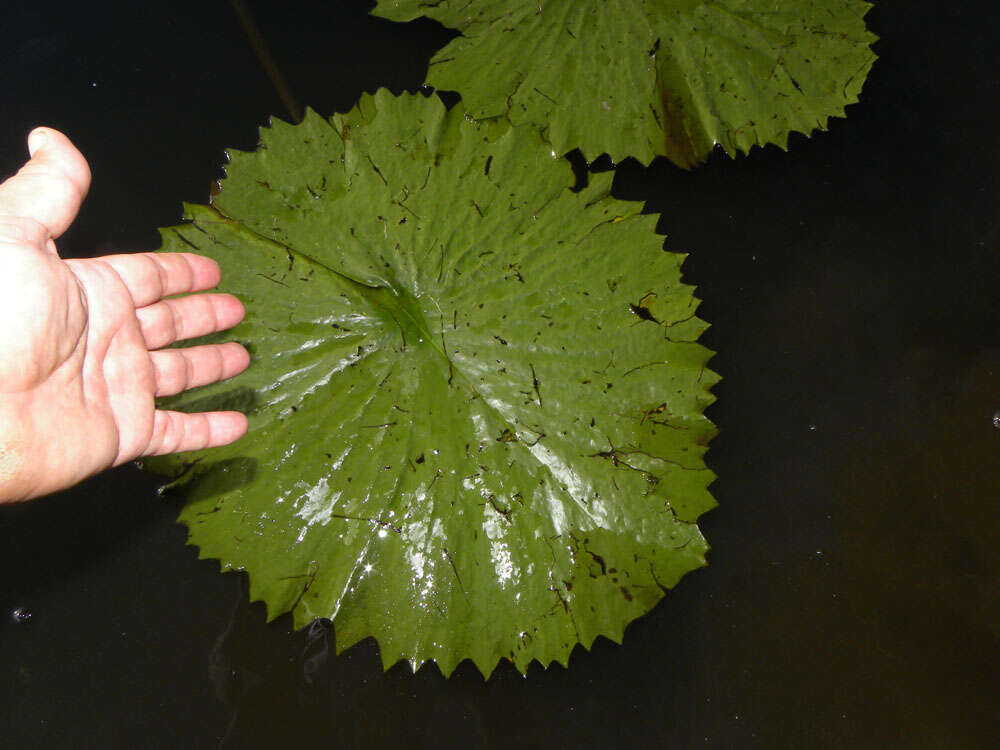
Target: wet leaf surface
<point>476,396</point>
<point>645,79</point>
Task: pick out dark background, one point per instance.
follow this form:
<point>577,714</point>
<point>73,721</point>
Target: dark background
<point>852,284</point>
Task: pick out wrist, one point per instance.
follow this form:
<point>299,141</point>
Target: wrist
<point>13,462</point>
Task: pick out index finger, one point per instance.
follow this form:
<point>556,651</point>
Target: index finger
<point>152,276</point>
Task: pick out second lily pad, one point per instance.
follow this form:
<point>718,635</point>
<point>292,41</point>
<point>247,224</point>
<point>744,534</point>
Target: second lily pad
<point>639,78</point>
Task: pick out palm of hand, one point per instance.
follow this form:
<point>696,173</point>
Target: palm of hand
<point>82,358</point>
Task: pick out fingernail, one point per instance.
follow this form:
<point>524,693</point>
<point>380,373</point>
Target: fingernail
<point>36,140</point>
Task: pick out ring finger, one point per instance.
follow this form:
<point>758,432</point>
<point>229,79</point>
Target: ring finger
<point>177,370</point>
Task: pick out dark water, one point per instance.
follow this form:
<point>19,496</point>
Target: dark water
<point>852,284</point>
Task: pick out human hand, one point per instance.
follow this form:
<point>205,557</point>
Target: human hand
<point>82,341</point>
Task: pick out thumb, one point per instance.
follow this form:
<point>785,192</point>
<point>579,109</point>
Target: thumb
<point>51,186</point>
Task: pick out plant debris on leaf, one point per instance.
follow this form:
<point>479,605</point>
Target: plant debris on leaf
<point>476,396</point>
<point>640,78</point>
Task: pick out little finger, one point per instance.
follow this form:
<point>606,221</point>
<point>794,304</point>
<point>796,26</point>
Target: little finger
<point>175,432</point>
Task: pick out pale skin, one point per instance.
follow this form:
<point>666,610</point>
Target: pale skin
<point>82,355</point>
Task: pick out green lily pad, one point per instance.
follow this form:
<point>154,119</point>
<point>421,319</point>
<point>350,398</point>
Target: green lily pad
<point>476,396</point>
<point>640,78</point>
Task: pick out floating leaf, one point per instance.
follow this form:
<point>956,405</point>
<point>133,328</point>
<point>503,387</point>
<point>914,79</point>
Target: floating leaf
<point>476,397</point>
<point>644,79</point>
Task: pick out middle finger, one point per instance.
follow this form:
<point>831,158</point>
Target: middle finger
<point>182,318</point>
